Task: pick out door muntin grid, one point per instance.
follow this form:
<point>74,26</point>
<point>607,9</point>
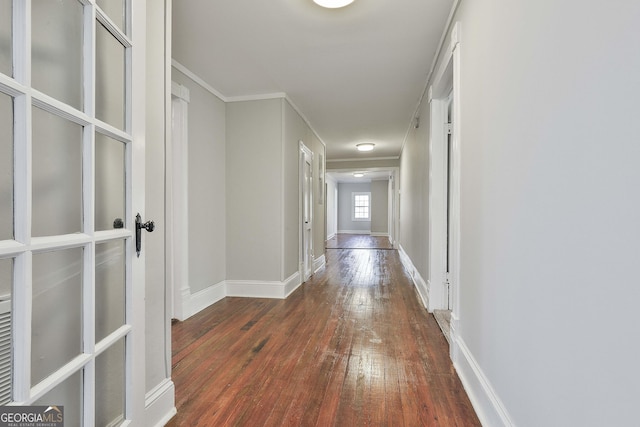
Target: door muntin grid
<point>55,249</point>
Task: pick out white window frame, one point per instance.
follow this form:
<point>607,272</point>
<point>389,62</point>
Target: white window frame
<point>353,205</point>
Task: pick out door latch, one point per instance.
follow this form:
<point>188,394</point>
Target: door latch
<point>149,226</point>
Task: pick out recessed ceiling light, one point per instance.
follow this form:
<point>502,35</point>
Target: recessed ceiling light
<point>358,174</point>
<point>333,4</point>
<point>366,146</point>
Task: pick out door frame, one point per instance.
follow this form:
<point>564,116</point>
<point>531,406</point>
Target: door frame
<point>394,199</point>
<point>445,84</point>
<point>305,263</point>
<point>177,204</point>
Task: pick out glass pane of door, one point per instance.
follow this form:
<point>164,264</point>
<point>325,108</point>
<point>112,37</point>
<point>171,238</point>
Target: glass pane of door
<point>56,319</point>
<point>56,51</point>
<point>6,40</point>
<point>110,289</point>
<point>110,78</point>
<point>57,175</point>
<point>6,167</point>
<point>115,10</point>
<point>110,181</point>
<point>110,385</point>
<point>69,395</point>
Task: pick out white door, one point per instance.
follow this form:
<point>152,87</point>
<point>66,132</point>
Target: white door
<point>306,161</point>
<point>71,129</point>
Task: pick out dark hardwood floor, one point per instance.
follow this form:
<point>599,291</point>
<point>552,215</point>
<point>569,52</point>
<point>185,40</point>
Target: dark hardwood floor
<point>355,241</point>
<point>351,347</point>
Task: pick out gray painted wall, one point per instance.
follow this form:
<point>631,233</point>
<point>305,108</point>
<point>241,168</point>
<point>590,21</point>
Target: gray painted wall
<point>549,230</point>
<point>254,162</point>
<point>207,182</point>
<point>296,130</point>
<point>380,207</point>
<point>345,203</point>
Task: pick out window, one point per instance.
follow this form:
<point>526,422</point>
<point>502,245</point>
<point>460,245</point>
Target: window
<point>361,207</point>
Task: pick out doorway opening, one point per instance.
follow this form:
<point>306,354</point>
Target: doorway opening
<point>306,212</point>
<point>444,192</point>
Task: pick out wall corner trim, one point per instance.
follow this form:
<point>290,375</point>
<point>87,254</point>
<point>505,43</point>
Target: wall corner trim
<point>160,404</point>
<point>204,298</point>
<point>263,288</point>
<point>184,70</point>
<point>318,263</point>
<point>485,400</point>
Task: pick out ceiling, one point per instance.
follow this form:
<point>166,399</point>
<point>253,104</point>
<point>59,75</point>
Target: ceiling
<point>369,175</point>
<point>356,74</point>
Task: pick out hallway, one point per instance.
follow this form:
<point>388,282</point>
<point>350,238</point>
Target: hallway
<point>351,347</point>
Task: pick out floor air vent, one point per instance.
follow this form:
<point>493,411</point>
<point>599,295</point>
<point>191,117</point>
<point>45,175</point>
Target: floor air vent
<point>5,352</point>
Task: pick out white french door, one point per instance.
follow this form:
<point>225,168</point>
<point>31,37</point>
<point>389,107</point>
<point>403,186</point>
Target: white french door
<point>71,131</point>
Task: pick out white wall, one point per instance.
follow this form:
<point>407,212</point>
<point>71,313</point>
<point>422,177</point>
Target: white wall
<point>345,204</point>
<point>549,228</point>
<point>207,182</point>
<point>157,367</point>
<point>380,207</point>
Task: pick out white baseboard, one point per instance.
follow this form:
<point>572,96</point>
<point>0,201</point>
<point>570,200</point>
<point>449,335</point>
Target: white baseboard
<point>418,281</point>
<point>483,397</point>
<point>160,404</point>
<point>376,234</point>
<point>204,298</point>
<point>367,232</point>
<point>331,236</point>
<point>263,289</point>
<point>292,283</point>
<point>318,263</point>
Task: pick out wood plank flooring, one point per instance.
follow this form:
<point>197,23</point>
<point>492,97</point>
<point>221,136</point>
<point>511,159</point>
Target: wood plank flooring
<point>351,347</point>
<point>355,241</point>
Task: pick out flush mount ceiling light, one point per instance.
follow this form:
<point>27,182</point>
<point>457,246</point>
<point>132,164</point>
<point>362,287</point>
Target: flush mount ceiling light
<point>333,4</point>
<point>366,146</point>
<point>358,174</point>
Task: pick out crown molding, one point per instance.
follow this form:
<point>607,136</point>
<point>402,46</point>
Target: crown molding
<point>368,159</point>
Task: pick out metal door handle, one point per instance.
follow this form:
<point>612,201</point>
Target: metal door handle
<point>149,226</point>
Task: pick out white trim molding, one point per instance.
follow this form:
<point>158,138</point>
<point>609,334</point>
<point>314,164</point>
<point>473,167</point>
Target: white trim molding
<point>184,70</point>
<point>318,263</point>
<point>421,286</point>
<point>160,404</point>
<point>367,232</point>
<point>205,298</point>
<point>363,159</point>
<point>376,234</point>
<point>488,406</point>
<point>263,289</point>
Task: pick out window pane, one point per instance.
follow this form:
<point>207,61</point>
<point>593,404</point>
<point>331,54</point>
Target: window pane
<point>110,382</point>
<point>110,287</point>
<point>69,395</point>
<point>114,10</point>
<point>110,78</point>
<point>56,330</point>
<point>5,37</point>
<point>110,184</point>
<point>6,288</point>
<point>6,167</point>
<point>56,50</point>
<point>57,175</point>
